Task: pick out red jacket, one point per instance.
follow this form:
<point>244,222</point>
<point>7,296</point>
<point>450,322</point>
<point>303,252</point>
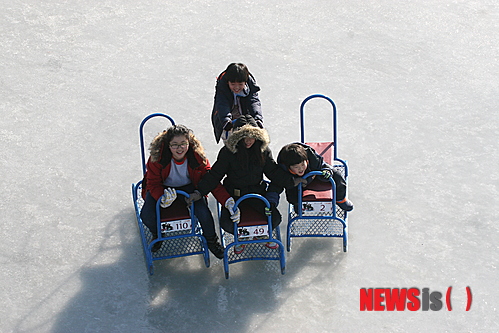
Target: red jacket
<point>156,175</point>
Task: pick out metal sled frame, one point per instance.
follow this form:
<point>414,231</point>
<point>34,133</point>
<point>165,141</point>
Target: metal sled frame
<point>177,243</point>
<point>255,249</point>
<point>327,224</point>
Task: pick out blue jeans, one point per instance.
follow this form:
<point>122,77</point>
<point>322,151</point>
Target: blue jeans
<point>201,210</point>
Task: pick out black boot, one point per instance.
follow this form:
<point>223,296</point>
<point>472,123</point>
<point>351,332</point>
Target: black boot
<point>215,247</point>
<point>156,246</point>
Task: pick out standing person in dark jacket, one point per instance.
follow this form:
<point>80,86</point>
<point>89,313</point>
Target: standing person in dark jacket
<point>243,161</point>
<point>236,94</point>
<point>178,161</point>
<point>299,159</point>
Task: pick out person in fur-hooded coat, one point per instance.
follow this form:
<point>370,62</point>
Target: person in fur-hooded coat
<point>243,161</point>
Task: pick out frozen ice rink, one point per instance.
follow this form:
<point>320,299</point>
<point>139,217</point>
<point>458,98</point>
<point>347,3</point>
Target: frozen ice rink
<point>416,87</point>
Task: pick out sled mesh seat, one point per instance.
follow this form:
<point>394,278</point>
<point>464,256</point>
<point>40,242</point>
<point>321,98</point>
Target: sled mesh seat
<point>177,238</point>
<point>174,246</point>
<point>319,191</point>
<point>249,233</point>
<point>174,243</point>
<point>317,214</point>
<point>250,217</point>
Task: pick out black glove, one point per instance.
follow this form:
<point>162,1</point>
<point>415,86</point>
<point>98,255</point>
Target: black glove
<point>298,180</point>
<point>195,196</point>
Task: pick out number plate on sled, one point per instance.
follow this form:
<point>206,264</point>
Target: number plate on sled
<point>179,225</point>
<point>315,207</point>
<point>252,231</point>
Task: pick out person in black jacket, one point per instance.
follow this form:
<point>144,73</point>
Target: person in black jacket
<point>243,161</point>
<point>298,159</point>
<point>236,94</point>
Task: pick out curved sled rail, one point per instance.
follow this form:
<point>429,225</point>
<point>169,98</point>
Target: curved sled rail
<point>281,257</point>
<point>192,233</point>
<point>267,204</point>
<point>300,193</point>
<point>147,245</point>
<point>147,254</point>
<point>191,210</point>
<point>300,215</point>
<point>335,141</point>
<point>141,135</point>
<point>302,118</point>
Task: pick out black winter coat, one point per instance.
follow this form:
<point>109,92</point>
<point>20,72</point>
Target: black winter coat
<point>315,163</point>
<point>246,180</point>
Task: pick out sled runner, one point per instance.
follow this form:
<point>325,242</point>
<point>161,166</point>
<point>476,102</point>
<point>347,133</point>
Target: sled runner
<point>253,234</point>
<point>317,214</point>
<point>178,229</point>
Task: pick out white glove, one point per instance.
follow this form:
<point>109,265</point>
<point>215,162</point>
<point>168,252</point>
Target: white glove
<point>235,215</point>
<point>169,197</point>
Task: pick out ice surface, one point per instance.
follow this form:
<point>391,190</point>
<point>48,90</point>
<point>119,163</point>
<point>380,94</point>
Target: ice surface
<point>416,86</point>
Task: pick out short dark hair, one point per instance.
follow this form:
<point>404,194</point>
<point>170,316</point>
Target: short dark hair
<point>292,154</point>
<point>237,72</point>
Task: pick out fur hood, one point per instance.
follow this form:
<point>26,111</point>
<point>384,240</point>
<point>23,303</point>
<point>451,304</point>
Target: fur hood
<point>257,133</point>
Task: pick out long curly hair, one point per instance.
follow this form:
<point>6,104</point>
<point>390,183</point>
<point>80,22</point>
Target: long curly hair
<point>160,146</point>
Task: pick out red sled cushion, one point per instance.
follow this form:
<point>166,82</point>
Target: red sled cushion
<point>251,216</point>
<point>318,191</point>
<point>177,211</point>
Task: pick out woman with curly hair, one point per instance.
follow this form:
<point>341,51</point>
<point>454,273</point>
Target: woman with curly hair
<point>177,162</point>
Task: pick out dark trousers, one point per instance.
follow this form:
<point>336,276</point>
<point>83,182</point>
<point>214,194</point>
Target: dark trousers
<point>201,210</point>
<point>227,224</point>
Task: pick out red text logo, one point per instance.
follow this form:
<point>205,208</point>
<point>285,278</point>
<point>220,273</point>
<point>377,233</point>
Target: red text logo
<point>412,299</point>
